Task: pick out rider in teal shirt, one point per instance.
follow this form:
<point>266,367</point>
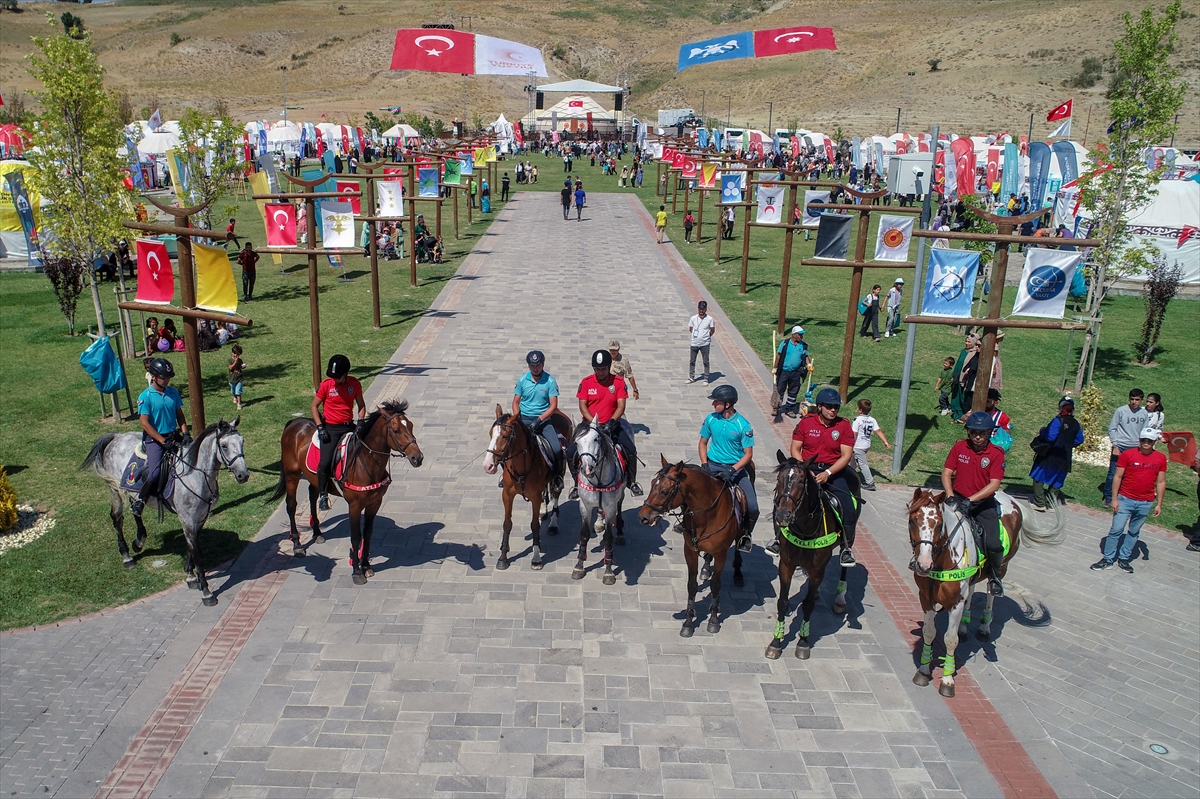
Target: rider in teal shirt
<point>726,449</point>
<point>160,411</point>
<point>535,398</point>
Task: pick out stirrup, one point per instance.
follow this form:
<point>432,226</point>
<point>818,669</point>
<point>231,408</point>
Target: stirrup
<point>745,543</point>
<point>137,505</point>
<point>773,547</point>
<point>574,492</point>
<point>323,502</point>
<point>995,586</point>
<point>847,558</point>
<point>635,489</point>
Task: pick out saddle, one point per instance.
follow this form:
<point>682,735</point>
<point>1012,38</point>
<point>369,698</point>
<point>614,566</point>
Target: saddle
<point>133,476</point>
<point>555,464</point>
<point>313,459</point>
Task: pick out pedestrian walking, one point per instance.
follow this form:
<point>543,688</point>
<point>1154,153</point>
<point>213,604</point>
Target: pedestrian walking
<point>689,222</point>
<point>1139,485</point>
<point>580,199</point>
<point>622,367</point>
<point>701,327</point>
<point>1053,448</point>
<point>868,306</point>
<point>1123,431</point>
<point>248,258</point>
<point>660,223</point>
<point>236,367</point>
<point>894,295</point>
<point>504,188</point>
<point>864,426</point>
<point>565,194</point>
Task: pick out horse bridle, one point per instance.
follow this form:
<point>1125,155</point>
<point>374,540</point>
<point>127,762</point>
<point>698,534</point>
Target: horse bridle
<point>399,452</point>
<point>677,482</point>
<point>210,483</point>
<point>818,506</point>
<point>600,434</point>
<point>934,546</point>
<point>509,432</point>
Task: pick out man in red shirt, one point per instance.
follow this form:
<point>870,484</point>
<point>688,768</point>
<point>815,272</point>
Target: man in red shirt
<point>828,440</point>
<point>1138,488</point>
<point>971,477</point>
<point>602,397</point>
<point>333,411</point>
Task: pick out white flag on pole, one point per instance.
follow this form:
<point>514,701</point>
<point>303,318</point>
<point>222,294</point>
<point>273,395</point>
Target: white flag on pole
<point>1045,282</point>
<point>1062,130</point>
<point>770,205</point>
<point>388,195</point>
<point>891,242</point>
<point>337,225</point>
<point>502,57</point>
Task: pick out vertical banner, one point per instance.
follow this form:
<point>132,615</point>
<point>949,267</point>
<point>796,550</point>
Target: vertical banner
<point>156,281</point>
<point>833,237</point>
<point>964,166</point>
<point>993,166</point>
<point>855,152</point>
<point>427,182</point>
<point>453,176</point>
<point>1068,164</point>
<point>949,169</point>
<point>281,225</point>
<point>1011,181</point>
<point>708,176</point>
<point>770,204</point>
<point>950,283</point>
<point>351,187</point>
<point>337,225</point>
<point>812,216</point>
<point>893,237</point>
<point>16,187</point>
<point>389,197</point>
<point>179,176</point>
<point>1039,173</point>
<point>731,187</point>
<point>1044,282</point>
<point>260,185</point>
<point>466,163</point>
<point>215,290</point>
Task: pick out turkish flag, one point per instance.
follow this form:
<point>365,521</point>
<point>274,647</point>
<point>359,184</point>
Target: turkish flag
<point>689,167</point>
<point>964,166</point>
<point>351,186</point>
<point>668,155</point>
<point>901,147</point>
<point>1062,112</point>
<point>345,140</point>
<point>320,142</point>
<point>156,282</point>
<point>393,170</point>
<point>678,160</point>
<point>574,103</point>
<point>281,224</point>
<point>780,41</point>
<point>434,50</point>
<point>993,167</point>
<point>1181,447</point>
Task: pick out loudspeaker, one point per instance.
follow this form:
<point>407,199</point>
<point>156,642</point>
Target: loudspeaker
<point>618,102</point>
<point>541,101</point>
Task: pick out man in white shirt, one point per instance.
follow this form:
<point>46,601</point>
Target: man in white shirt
<point>894,295</point>
<point>701,327</point>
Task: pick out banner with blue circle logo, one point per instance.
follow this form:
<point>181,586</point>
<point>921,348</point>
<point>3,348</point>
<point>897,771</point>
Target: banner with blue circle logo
<point>1045,281</point>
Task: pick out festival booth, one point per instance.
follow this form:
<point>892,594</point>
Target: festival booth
<point>577,114</point>
<point>401,134</point>
<point>157,144</point>
<point>502,131</point>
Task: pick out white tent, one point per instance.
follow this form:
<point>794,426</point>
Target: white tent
<point>157,143</point>
<point>571,113</point>
<point>401,131</point>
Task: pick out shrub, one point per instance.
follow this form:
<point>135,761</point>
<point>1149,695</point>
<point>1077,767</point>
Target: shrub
<point>8,502</point>
<point>66,274</point>
<point>1093,416</point>
<point>175,38</point>
<point>1090,72</point>
<point>1161,286</point>
<point>933,64</point>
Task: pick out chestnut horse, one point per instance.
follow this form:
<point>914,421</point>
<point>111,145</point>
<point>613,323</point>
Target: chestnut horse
<point>511,446</point>
<point>364,481</point>
<point>945,568</point>
<point>709,523</point>
<point>807,530</point>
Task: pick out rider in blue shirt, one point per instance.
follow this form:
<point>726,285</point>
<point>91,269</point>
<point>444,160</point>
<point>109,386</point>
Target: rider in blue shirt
<point>535,399</point>
<point>160,411</point>
<point>726,449</point>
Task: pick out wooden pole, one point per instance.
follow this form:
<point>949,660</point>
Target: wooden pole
<point>787,260</point>
<point>455,193</point>
<point>720,233</point>
<point>191,339</point>
<point>373,246</point>
<point>412,224</point>
<point>673,182</point>
<point>745,248</point>
<point>860,254</point>
<point>438,217</point>
<point>470,198</point>
<point>314,307</point>
<point>700,216</point>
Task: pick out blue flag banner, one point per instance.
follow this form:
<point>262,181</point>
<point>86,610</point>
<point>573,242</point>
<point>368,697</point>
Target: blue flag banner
<point>702,137</point>
<point>1068,164</point>
<point>722,48</point>
<point>1011,182</point>
<point>16,187</point>
<point>731,187</point>
<point>950,283</point>
<point>262,141</point>
<point>427,182</point>
<point>1039,173</point>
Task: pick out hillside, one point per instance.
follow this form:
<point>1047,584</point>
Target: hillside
<point>1001,60</point>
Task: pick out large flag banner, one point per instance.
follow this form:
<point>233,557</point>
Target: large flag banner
<point>24,209</point>
<point>949,169</point>
<point>467,163</point>
<point>281,224</point>
<point>964,166</point>
<point>950,283</point>
<point>689,167</point>
<point>1039,173</point>
<point>781,41</point>
<point>337,225</point>
<point>260,185</point>
<point>833,237</point>
<point>770,205</point>
<point>481,156</point>
<point>1181,447</point>
<point>708,176</point>
<point>1061,112</point>
<point>155,120</point>
<point>215,289</point>
<point>812,216</point>
<point>677,159</point>
<point>389,197</point>
<point>491,153</point>
<point>453,176</point>
<point>1011,180</point>
<point>1044,283</point>
<point>1068,163</point>
<point>993,167</point>
<point>722,48</point>
<point>731,187</point>
<point>893,237</point>
<point>156,282</point>
<point>434,50</point>
<point>351,187</point>
<point>427,180</point>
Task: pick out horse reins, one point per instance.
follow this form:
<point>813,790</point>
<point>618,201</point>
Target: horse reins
<point>684,511</point>
<point>509,435</point>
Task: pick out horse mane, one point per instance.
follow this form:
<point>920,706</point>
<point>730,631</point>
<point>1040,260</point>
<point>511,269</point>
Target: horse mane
<point>790,463</point>
<point>394,406</point>
<point>391,406</point>
<point>193,450</point>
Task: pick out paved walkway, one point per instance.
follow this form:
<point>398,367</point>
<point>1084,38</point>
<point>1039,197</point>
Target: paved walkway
<point>444,677</point>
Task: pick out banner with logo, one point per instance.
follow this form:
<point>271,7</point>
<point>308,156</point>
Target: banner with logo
<point>453,176</point>
<point>481,156</point>
<point>1068,163</point>
<point>756,44</point>
<point>1039,173</point>
<point>215,289</point>
<point>731,187</point>
<point>281,224</point>
<point>893,237</point>
<point>688,170</point>
<point>427,182</point>
<point>964,166</point>
<point>444,50</point>
<point>1044,283</point>
<point>337,225</point>
<point>770,205</point>
<point>812,216</point>
<point>24,209</point>
<point>156,281</point>
<point>950,283</point>
<point>389,197</point>
<point>833,237</point>
<point>351,187</point>
<point>466,162</point>
<point>722,48</point>
<point>1010,182</point>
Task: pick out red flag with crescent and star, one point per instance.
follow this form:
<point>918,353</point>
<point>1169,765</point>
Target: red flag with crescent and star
<point>351,187</point>
<point>281,224</point>
<point>434,50</point>
<point>1062,112</point>
<point>781,41</point>
<point>156,282</point>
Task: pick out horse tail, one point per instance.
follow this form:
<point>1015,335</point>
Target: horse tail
<point>280,487</point>
<point>1042,528</point>
<point>95,458</point>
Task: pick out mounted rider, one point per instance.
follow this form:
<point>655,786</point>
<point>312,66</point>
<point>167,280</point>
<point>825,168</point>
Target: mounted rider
<point>828,441</point>
<point>971,477</point>
<point>333,411</point>
<point>726,450</point>
<point>602,397</point>
<point>535,400</point>
<point>160,412</point>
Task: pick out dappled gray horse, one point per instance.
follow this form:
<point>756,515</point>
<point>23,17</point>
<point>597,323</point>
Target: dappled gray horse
<point>195,493</point>
<point>601,492</point>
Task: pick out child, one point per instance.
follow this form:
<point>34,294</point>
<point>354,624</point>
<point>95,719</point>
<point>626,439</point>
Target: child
<point>236,367</point>
<point>660,222</point>
<point>689,222</point>
<point>943,386</point>
<point>863,426</point>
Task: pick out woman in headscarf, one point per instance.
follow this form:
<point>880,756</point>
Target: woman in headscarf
<point>1053,449</point>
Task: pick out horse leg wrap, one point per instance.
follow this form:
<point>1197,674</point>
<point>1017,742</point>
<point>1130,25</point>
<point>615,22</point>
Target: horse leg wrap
<point>780,629</point>
<point>926,654</point>
<point>987,617</point>
<point>841,586</point>
<point>948,666</point>
<point>966,617</point>
<point>804,627</point>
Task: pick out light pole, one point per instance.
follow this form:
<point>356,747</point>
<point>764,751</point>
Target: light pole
<point>283,70</point>
<point>908,102</point>
<point>702,117</point>
<point>728,108</point>
<point>770,118</point>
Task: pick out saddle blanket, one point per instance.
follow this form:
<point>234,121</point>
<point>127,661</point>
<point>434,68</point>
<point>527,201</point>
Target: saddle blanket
<point>313,459</point>
<point>133,476</point>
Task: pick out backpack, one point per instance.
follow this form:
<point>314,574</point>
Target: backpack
<point>862,305</point>
<point>1001,437</point>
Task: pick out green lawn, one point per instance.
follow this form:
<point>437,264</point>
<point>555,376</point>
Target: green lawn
<point>1033,359</point>
<point>49,429</point>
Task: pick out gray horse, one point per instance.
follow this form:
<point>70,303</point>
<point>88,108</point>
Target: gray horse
<point>601,491</point>
<point>195,493</point>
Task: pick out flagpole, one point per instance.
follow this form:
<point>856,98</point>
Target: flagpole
<point>1087,124</point>
<point>1029,138</point>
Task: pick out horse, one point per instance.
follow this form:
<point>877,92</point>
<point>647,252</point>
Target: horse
<point>194,495</point>
<point>807,530</point>
<point>511,446</point>
<point>710,525</point>
<point>601,490</point>
<point>365,477</point>
<point>945,569</point>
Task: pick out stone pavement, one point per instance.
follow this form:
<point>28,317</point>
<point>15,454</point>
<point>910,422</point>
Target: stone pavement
<point>444,677</point>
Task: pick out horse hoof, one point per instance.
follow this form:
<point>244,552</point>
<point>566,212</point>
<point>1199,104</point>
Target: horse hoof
<point>738,580</point>
<point>774,650</point>
<point>193,583</point>
<point>920,679</point>
<point>359,578</point>
<point>318,539</point>
<point>130,563</point>
<point>609,579</point>
<point>138,543</point>
<point>299,552</point>
<point>368,572</point>
<point>577,573</point>
<point>803,651</point>
<point>620,539</point>
<point>983,635</point>
<point>208,601</point>
<point>714,626</point>
<point>946,690</point>
<point>839,606</point>
<point>502,564</point>
<point>686,630</point>
<point>536,565</point>
<point>705,573</point>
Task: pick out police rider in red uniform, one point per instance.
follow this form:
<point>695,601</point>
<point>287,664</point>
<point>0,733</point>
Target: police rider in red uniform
<point>602,397</point>
<point>333,411</point>
<point>971,477</point>
<point>829,440</point>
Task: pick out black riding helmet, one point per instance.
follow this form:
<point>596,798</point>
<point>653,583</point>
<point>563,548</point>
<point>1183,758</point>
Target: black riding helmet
<point>339,366</point>
<point>601,358</point>
<point>724,393</point>
<point>161,367</point>
<point>535,357</point>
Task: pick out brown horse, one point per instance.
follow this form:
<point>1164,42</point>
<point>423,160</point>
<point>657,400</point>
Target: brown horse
<point>710,525</point>
<point>945,568</point>
<point>364,481</point>
<point>807,530</point>
<point>511,447</point>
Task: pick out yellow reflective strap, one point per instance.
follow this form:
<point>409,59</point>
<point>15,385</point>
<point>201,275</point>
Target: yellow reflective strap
<point>953,575</point>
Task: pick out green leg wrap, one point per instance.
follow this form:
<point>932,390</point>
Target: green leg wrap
<point>966,617</point>
<point>948,666</point>
<point>804,629</point>
<point>841,586</point>
<point>780,629</point>
<point>926,654</point>
<point>987,617</point>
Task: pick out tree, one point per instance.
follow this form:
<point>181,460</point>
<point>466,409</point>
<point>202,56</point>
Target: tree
<point>15,112</point>
<point>66,275</point>
<point>1161,285</point>
<point>74,153</point>
<point>1143,97</point>
<point>933,64</point>
<point>124,108</point>
<point>72,25</point>
<point>210,152</point>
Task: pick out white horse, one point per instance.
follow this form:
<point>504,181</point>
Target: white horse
<point>601,490</point>
<point>195,494</point>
